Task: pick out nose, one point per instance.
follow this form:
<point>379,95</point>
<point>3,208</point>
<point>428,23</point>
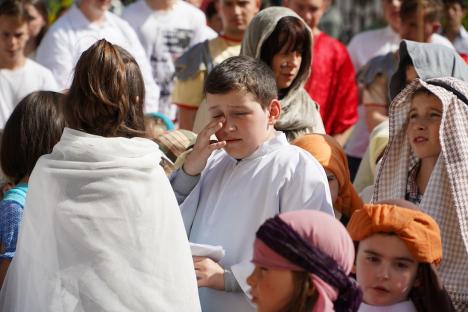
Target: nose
<point>292,59</point>
<point>384,272</point>
<point>229,125</point>
<point>252,279</point>
<point>237,10</point>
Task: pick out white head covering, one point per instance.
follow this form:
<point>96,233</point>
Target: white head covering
<point>101,231</point>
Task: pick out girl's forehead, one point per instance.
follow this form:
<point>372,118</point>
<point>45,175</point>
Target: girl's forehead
<point>426,100</point>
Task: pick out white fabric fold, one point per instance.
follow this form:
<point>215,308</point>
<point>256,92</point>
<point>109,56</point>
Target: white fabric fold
<point>101,232</point>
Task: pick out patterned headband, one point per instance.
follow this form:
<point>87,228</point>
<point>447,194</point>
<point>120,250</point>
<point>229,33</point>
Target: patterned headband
<point>285,241</point>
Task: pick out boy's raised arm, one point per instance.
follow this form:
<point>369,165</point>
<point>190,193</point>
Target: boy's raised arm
<point>185,179</point>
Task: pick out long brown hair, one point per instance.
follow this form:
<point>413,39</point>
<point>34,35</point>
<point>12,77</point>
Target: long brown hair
<point>301,301</point>
<point>103,99</point>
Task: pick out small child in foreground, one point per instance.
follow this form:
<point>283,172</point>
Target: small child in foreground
<point>398,250</point>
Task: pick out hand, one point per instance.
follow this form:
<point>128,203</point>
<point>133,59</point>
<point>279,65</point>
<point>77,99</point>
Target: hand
<point>196,160</point>
<point>209,273</point>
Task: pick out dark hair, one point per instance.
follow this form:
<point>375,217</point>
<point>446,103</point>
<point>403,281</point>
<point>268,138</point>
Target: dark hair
<point>460,2</point>
<point>15,9</point>
<point>32,130</point>
<point>432,9</point>
<point>300,300</point>
<point>107,93</point>
<point>422,91</point>
<point>292,35</point>
<point>41,7</point>
<point>430,295</point>
<point>243,73</point>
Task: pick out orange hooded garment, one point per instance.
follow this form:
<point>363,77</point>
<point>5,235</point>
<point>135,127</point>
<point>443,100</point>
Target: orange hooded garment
<point>331,156</point>
<point>418,230</point>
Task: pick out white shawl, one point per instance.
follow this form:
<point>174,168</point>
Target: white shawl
<point>101,231</point>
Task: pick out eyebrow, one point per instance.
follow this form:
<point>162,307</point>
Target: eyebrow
<point>373,253</point>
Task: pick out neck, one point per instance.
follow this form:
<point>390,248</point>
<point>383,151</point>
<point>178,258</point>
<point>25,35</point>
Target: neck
<point>234,35</point>
<point>451,32</point>
<point>13,64</point>
<point>30,47</point>
<point>92,15</point>
<point>316,31</point>
<point>160,5</point>
<point>424,173</point>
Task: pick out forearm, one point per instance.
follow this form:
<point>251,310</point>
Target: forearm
<point>343,137</point>
<point>183,184</point>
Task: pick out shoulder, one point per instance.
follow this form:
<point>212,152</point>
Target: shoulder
<point>191,61</point>
<point>36,68</point>
<point>188,9</point>
<point>381,64</point>
<point>364,37</point>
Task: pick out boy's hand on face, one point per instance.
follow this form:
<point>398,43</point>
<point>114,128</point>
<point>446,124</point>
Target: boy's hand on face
<point>209,273</point>
<point>196,160</point>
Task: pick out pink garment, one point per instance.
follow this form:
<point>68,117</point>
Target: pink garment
<point>322,231</point>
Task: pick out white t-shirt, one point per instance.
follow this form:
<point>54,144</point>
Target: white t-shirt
<point>72,34</point>
<point>234,197</point>
<point>166,35</point>
<point>366,45</point>
<point>16,84</point>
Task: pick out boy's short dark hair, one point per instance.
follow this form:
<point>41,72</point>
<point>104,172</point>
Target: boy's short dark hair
<point>15,9</point>
<point>433,10</point>
<point>243,73</point>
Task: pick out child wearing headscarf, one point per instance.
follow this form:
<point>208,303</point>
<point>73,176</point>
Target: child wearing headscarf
<point>397,251</point>
<point>332,157</point>
<point>426,163</point>
<point>302,262</point>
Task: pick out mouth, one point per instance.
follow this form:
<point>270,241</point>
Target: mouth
<point>230,141</point>
<point>419,139</point>
<point>380,289</point>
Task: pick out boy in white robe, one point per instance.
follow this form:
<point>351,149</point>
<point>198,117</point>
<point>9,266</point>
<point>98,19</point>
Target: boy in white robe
<point>228,188</point>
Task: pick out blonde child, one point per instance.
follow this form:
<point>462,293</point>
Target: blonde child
<point>425,162</point>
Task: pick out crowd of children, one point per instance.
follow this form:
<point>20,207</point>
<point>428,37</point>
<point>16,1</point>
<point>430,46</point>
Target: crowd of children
<point>109,201</point>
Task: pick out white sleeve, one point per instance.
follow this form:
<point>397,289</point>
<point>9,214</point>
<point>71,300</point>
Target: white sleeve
<point>307,188</point>
<point>49,82</point>
<point>55,54</point>
<point>353,51</point>
<point>151,88</point>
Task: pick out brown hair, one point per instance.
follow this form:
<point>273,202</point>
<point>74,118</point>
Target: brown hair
<point>107,93</point>
<point>14,9</point>
<point>291,34</point>
<point>433,9</point>
<point>300,300</point>
<point>422,91</point>
<point>32,130</point>
<point>243,73</point>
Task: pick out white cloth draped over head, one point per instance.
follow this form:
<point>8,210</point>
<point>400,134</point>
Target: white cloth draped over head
<point>446,195</point>
<point>299,113</point>
<point>101,232</point>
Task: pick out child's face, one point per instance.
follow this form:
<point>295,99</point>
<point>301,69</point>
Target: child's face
<point>236,15</point>
<point>409,29</point>
<point>333,184</point>
<point>246,125</point>
<point>271,289</point>
<point>37,21</point>
<point>385,269</point>
<point>285,66</point>
<point>454,14</point>
<point>13,38</point>
<point>391,10</point>
<point>423,126</point>
<point>309,10</point>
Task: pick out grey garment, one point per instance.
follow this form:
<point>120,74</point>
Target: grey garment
<point>182,184</point>
<point>189,63</point>
<point>430,60</point>
<point>230,282</point>
<point>300,114</point>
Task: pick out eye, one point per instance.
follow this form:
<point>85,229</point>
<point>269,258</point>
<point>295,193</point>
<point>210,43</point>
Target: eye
<point>373,259</point>
<point>330,177</point>
<point>435,115</point>
<point>413,116</point>
<point>402,265</point>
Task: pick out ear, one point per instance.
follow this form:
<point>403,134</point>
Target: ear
<point>274,111</point>
<point>353,269</point>
<point>435,27</point>
<point>258,4</point>
<point>310,291</point>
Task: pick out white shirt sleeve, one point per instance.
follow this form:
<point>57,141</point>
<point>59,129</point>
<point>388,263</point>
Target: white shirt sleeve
<point>55,54</point>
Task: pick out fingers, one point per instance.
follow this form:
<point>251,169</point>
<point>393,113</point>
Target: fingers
<point>211,128</point>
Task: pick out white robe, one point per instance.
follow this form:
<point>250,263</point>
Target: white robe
<point>101,231</point>
<point>233,198</point>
